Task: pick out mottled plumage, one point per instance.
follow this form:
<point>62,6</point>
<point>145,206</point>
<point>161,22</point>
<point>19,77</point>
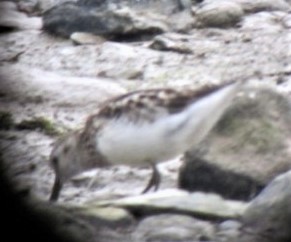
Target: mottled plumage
<point>149,105</point>
<point>139,128</point>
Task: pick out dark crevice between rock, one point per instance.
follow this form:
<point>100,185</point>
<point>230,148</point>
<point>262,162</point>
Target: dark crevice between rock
<point>200,175</point>
<point>6,29</point>
<point>133,37</point>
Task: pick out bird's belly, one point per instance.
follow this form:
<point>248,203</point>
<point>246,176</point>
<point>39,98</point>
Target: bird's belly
<point>133,144</point>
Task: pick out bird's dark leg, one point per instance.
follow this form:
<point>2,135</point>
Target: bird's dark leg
<point>56,190</point>
<point>154,181</point>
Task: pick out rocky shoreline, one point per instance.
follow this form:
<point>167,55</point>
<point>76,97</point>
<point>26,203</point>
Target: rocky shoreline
<point>50,84</point>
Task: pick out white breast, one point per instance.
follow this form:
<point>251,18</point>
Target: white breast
<point>125,142</point>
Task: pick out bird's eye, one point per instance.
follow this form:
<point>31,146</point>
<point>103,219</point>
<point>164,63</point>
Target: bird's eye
<point>55,161</point>
<point>66,149</point>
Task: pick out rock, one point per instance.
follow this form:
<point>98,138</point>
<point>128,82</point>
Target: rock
<point>202,205</point>
<point>67,18</point>
<point>229,225</point>
<point>218,14</point>
<point>269,214</point>
<point>86,38</point>
<point>181,22</point>
<point>30,7</point>
<point>36,219</point>
<point>131,68</point>
<point>44,5</point>
<point>286,21</point>
<point>14,44</point>
<point>173,228</point>
<point>118,19</point>
<point>19,81</point>
<point>7,6</point>
<point>41,59</point>
<point>166,7</point>
<point>168,43</point>
<point>78,224</point>
<point>62,57</point>
<point>228,230</point>
<point>11,18</point>
<point>109,22</point>
<point>252,139</point>
<point>47,94</point>
<point>197,174</point>
<point>267,20</point>
<point>213,55</point>
<point>111,217</point>
<point>127,72</point>
<point>250,6</point>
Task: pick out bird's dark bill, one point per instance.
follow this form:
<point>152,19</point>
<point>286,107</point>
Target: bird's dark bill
<point>56,190</point>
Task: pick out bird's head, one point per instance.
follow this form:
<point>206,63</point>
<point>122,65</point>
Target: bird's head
<point>65,160</point>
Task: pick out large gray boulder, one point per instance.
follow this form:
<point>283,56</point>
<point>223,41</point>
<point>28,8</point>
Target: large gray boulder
<point>114,19</point>
<point>269,214</point>
<point>246,150</point>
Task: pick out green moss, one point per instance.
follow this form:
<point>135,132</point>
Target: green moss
<point>228,125</point>
<point>257,133</point>
<point>235,118</point>
<point>262,135</point>
<point>39,123</point>
<point>6,120</point>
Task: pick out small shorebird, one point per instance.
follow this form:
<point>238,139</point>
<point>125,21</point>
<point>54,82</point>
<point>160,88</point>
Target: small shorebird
<point>141,128</point>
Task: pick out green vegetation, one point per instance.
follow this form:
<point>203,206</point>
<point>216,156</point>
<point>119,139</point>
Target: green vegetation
<point>263,135</point>
<point>39,123</point>
<point>6,120</point>
<point>250,126</point>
